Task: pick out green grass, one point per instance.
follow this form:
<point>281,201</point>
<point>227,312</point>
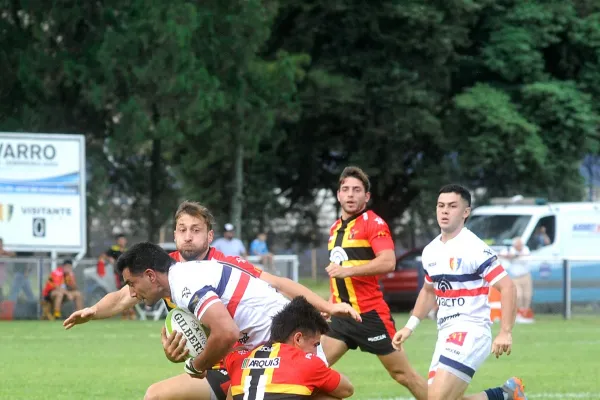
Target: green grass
<point>119,359</point>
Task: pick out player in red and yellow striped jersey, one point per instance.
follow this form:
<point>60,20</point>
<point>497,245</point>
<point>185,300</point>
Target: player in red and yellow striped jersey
<point>360,249</point>
<point>287,367</point>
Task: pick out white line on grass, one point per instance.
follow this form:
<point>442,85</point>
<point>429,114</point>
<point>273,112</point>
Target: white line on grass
<point>582,395</point>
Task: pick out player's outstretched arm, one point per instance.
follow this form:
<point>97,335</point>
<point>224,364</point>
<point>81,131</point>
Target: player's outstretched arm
<point>110,305</point>
<point>291,289</point>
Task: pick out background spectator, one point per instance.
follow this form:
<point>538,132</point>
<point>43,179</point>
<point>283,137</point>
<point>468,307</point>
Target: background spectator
<point>61,283</point>
<point>3,253</point>
<point>518,270</point>
<point>259,247</point>
<point>229,244</point>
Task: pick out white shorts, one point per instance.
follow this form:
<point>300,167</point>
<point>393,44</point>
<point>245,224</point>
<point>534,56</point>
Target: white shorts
<point>461,350</point>
<point>321,354</point>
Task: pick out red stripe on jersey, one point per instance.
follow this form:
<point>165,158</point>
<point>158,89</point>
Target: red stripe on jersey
<point>431,374</point>
<point>238,293</point>
<point>428,279</point>
<point>203,306</point>
<point>494,273</point>
<point>453,293</point>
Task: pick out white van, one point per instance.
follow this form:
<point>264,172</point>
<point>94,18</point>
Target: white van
<point>571,230</point>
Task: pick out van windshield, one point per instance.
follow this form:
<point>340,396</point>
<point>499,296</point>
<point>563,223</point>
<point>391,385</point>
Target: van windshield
<point>498,230</point>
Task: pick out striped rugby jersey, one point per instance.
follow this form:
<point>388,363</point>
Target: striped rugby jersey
<point>251,302</point>
<point>462,271</point>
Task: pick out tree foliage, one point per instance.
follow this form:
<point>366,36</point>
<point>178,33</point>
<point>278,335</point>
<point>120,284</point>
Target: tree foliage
<point>496,94</point>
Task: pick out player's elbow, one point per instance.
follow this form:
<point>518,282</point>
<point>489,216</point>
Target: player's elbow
<point>506,285</point>
<point>388,261</point>
<point>230,335</point>
<point>345,391</point>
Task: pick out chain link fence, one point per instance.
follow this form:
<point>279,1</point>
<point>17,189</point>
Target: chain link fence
<point>22,281</point>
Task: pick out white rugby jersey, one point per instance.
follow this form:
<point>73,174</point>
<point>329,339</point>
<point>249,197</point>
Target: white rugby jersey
<point>251,302</point>
<point>462,271</point>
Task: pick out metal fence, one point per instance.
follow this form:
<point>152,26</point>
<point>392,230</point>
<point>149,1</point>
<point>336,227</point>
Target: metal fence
<point>567,286</point>
<point>22,281</point>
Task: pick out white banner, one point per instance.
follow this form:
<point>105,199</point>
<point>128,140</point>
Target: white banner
<point>42,192</point>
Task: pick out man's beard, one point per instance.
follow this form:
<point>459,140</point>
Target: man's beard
<point>193,255</point>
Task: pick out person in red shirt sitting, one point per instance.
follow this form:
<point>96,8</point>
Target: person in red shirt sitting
<point>287,367</point>
<point>61,283</point>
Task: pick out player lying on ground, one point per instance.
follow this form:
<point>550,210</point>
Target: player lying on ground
<point>287,366</point>
<point>193,235</point>
<point>459,270</point>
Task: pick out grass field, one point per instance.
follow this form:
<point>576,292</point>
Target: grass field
<point>119,359</point>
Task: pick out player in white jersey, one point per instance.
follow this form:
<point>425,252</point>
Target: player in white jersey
<point>235,306</point>
<point>459,270</point>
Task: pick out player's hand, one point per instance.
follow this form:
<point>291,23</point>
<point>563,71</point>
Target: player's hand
<point>174,346</point>
<point>400,337</point>
<point>344,310</point>
<point>502,344</point>
<point>337,271</point>
<point>79,317</point>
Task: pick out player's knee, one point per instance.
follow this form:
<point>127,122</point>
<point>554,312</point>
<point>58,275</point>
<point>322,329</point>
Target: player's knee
<point>402,377</point>
<point>433,393</point>
<point>152,393</point>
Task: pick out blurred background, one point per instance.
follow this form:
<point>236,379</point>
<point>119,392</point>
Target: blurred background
<point>253,108</point>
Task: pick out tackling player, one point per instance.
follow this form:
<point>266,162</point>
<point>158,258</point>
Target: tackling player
<point>235,306</point>
<point>286,367</point>
<point>361,248</point>
<point>193,236</point>
<point>459,270</point>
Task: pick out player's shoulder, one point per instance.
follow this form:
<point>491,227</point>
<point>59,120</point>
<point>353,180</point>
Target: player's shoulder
<point>335,224</point>
<point>115,247</point>
<point>238,354</point>
<point>194,268</point>
<point>467,236</point>
<point>370,216</point>
<point>298,358</point>
<point>476,247</point>
<point>432,246</point>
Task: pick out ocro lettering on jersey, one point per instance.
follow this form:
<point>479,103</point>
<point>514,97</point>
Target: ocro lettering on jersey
<point>443,286</point>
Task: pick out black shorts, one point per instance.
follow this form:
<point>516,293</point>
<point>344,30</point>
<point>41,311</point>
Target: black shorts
<point>373,335</point>
<point>219,382</point>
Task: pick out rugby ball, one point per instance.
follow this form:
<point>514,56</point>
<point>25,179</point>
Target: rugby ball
<point>196,334</point>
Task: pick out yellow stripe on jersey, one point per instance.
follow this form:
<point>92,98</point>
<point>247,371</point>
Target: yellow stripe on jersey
<point>276,388</point>
<point>355,263</point>
<point>355,243</point>
<point>170,304</point>
<point>269,371</point>
<point>352,294</point>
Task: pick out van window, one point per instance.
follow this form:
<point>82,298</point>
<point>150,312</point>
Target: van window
<point>498,229</point>
<point>543,234</point>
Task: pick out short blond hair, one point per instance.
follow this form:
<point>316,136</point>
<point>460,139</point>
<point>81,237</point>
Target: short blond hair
<point>196,210</point>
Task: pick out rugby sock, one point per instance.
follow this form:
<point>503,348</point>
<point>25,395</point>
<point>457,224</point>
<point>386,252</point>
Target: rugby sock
<point>496,394</point>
